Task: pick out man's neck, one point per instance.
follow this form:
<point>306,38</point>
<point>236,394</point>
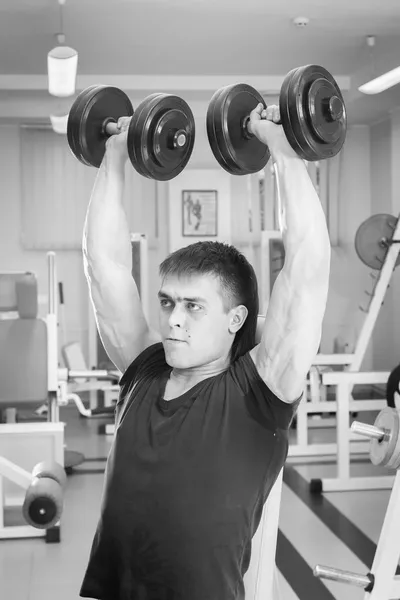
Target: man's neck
<point>186,378</point>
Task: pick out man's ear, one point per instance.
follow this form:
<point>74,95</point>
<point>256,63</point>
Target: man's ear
<point>238,317</point>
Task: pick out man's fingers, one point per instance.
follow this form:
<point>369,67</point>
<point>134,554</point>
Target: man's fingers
<point>271,113</point>
<point>256,113</point>
<point>123,123</point>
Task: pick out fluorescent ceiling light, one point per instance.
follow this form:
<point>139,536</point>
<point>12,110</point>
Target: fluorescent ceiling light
<point>62,65</point>
<point>382,83</point>
<point>59,123</point>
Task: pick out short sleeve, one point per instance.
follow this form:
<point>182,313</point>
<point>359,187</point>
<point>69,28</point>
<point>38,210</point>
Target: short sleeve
<point>261,401</point>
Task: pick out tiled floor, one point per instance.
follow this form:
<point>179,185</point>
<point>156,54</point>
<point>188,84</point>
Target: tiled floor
<point>340,529</point>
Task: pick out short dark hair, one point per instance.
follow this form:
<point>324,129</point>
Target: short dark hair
<point>237,278</point>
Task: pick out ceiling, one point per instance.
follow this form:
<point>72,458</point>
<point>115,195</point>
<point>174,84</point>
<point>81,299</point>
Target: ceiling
<point>210,38</point>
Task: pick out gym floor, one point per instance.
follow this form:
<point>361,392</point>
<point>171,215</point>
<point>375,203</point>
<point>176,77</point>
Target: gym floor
<point>339,529</point>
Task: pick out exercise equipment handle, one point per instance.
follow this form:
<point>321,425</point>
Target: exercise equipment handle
<point>111,128</point>
<point>364,581</point>
<point>369,431</point>
<point>248,128</point>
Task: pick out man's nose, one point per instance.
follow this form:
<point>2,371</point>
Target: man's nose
<point>177,316</point>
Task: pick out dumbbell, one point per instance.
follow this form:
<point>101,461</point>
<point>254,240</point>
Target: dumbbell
<point>160,136</point>
<point>43,502</point>
<point>312,111</point>
<point>385,438</point>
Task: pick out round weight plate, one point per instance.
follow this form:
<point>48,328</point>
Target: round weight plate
<point>93,108</point>
<point>236,151</point>
<point>372,237</point>
<point>394,460</point>
<point>386,452</point>
<point>211,133</point>
<point>161,136</point>
<point>73,121</point>
<point>393,388</point>
<point>313,113</point>
<point>135,152</point>
<point>284,104</point>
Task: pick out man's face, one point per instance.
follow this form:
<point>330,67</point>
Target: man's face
<point>194,325</point>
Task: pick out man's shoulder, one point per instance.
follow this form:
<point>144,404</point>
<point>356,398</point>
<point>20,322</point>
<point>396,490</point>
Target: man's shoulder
<point>150,359</point>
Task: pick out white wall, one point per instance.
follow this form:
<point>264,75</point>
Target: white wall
<point>395,210</point>
<point>349,278</point>
<point>14,257</point>
<point>381,195</point>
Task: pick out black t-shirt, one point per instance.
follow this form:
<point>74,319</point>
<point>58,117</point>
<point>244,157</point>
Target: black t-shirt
<point>185,484</point>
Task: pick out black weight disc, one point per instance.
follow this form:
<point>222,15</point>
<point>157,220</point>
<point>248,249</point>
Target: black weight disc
<point>313,112</point>
<point>91,111</point>
<point>236,151</point>
<point>161,136</point>
<point>73,121</point>
<point>372,237</point>
<point>133,151</point>
<point>285,113</point>
<point>211,134</point>
<point>393,388</point>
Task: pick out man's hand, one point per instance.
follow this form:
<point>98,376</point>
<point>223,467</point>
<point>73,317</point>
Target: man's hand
<point>264,124</point>
<point>117,144</point>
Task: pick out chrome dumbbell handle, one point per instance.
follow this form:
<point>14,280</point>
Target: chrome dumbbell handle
<point>369,431</point>
<point>68,374</point>
<point>364,581</point>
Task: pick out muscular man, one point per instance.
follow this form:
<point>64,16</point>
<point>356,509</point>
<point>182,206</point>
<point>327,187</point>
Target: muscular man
<point>203,416</point>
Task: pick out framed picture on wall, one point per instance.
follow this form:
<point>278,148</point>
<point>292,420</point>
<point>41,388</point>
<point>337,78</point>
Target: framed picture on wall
<point>199,213</point>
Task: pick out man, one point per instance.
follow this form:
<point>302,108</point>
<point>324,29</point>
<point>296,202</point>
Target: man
<point>203,416</point>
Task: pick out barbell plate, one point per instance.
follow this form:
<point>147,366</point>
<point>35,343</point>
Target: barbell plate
<point>216,138</point>
<point>134,149</point>
<point>370,239</point>
<point>387,452</point>
<point>393,387</point>
<point>313,112</point>
<point>211,132</point>
<point>236,151</point>
<point>73,121</point>
<point>284,104</point>
<point>393,460</point>
<point>153,145</point>
<point>90,111</point>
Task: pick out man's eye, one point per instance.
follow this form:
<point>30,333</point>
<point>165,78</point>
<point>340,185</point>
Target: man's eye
<point>165,302</point>
<point>194,307</point>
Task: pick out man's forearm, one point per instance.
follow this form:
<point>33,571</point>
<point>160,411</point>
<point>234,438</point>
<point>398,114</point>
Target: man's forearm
<point>305,231</point>
<point>106,234</point>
